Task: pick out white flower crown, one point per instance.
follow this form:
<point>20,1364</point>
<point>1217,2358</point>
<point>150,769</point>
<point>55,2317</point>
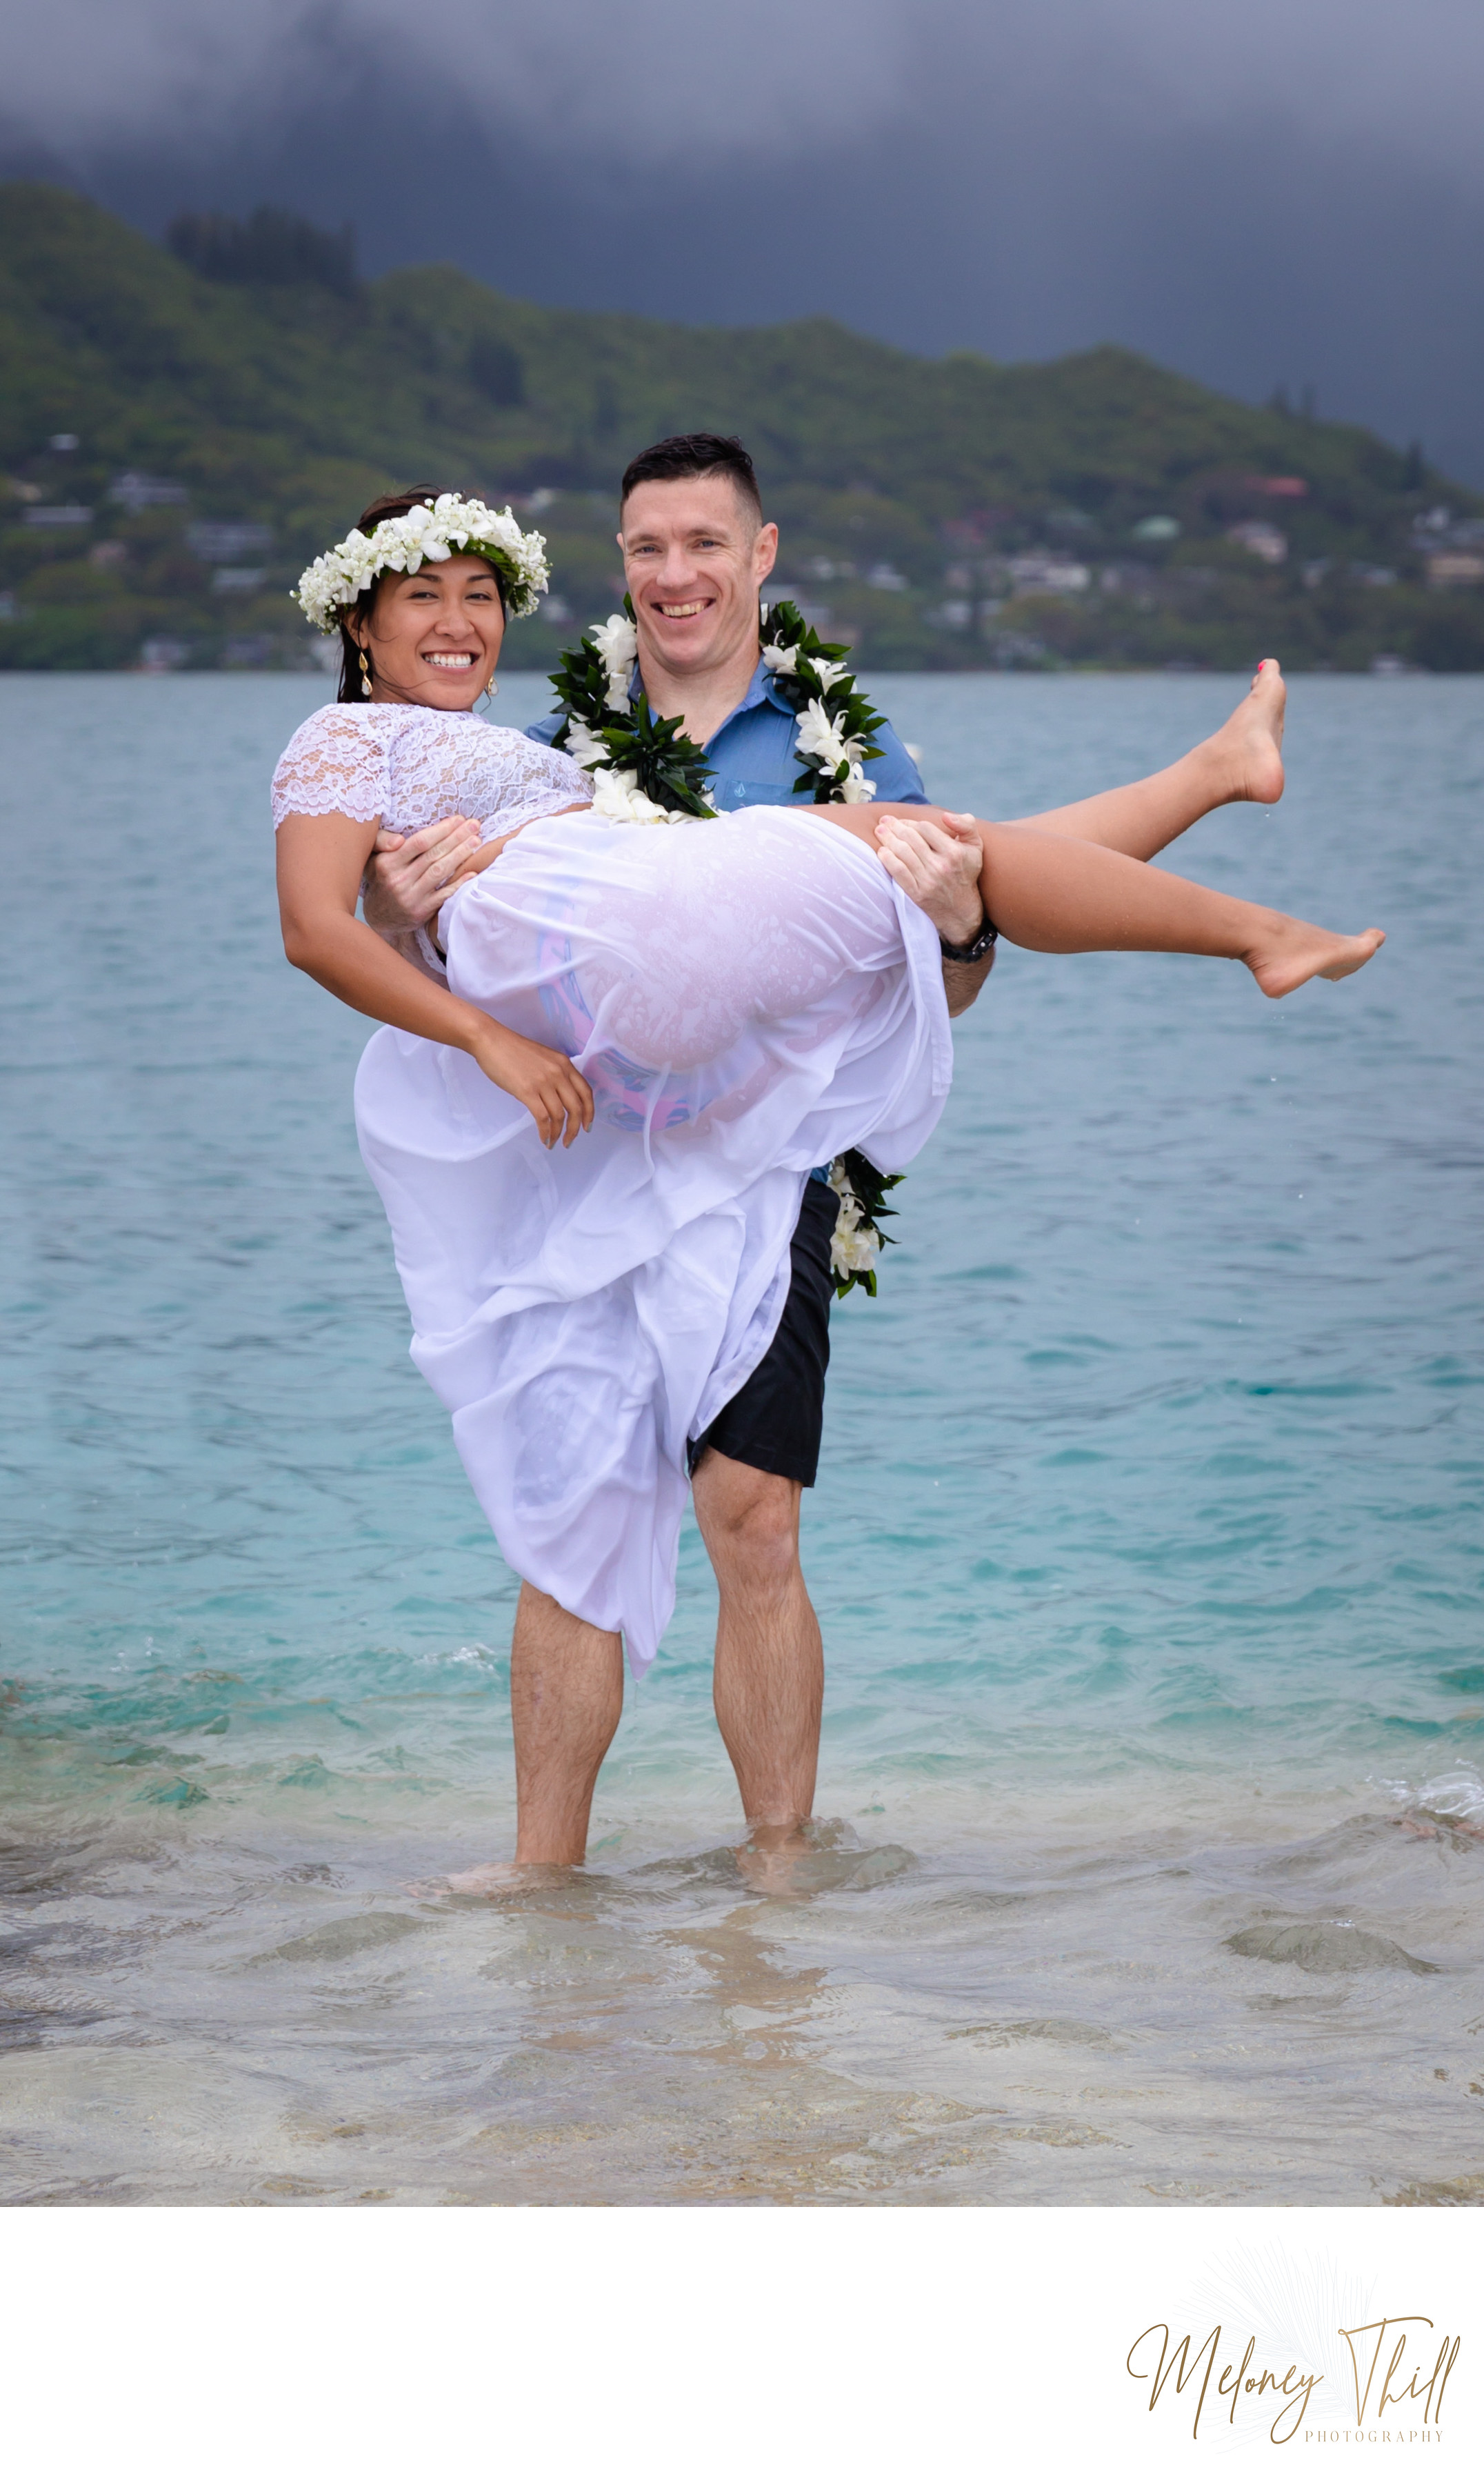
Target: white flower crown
<point>403,542</point>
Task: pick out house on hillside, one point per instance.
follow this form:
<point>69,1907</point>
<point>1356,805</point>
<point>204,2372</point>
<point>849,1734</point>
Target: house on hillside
<point>1262,540</point>
<point>1048,571</point>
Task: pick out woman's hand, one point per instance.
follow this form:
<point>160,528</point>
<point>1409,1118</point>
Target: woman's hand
<point>409,877</point>
<point>559,1099</point>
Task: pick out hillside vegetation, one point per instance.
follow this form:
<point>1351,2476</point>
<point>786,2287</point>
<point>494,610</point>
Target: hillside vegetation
<point>179,433</point>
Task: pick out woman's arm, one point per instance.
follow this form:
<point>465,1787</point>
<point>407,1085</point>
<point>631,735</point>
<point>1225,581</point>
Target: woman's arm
<point>320,861</point>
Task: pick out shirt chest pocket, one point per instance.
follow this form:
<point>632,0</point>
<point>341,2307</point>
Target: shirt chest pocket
<point>747,792</point>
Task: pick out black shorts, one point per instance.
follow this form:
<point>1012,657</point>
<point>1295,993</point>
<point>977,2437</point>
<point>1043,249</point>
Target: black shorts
<point>774,1421</point>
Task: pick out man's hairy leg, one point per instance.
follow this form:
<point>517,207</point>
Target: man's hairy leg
<point>566,1701</point>
<point>769,1684</point>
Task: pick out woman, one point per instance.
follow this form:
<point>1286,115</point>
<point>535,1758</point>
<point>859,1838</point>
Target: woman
<point>713,1005</point>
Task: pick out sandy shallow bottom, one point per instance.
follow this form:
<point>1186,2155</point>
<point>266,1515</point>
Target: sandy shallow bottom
<point>1275,2005</point>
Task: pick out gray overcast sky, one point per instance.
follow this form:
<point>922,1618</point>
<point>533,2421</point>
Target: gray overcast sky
<point>1288,191</point>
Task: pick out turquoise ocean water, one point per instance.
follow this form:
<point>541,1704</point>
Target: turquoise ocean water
<point>1147,1551</point>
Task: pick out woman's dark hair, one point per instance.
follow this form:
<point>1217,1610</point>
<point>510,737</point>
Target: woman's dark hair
<point>695,452</point>
<point>392,503</point>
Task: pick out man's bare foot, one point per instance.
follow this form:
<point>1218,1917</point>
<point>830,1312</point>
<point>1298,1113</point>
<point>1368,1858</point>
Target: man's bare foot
<point>1249,747</point>
<point>1424,1827</point>
<point>500,1877</point>
<point>1295,952</point>
<point>769,1859</point>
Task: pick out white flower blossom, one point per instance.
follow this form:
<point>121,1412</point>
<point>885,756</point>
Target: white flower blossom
<point>401,545</point>
<point>827,673</point>
<point>854,1251</point>
<point>855,788</point>
<point>617,644</point>
<point>617,797</point>
<point>819,737</point>
<point>583,746</point>
<point>782,658</point>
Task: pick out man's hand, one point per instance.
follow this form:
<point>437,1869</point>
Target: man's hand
<point>938,866</point>
<point>407,877</point>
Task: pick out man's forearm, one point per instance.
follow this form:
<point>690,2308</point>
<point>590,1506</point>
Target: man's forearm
<point>963,982</point>
<point>405,943</point>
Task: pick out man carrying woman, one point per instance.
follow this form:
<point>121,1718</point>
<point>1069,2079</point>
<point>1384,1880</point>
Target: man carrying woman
<point>697,554</point>
<point>592,1314</point>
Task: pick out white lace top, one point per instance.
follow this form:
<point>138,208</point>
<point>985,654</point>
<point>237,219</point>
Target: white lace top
<point>411,764</point>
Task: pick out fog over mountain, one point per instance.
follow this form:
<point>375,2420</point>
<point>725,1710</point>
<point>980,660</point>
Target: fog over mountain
<point>1292,195</point>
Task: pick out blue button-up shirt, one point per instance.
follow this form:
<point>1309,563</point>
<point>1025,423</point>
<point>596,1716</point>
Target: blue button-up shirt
<point>753,753</point>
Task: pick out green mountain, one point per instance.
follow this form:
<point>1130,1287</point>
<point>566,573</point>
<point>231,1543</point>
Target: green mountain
<point>182,429</point>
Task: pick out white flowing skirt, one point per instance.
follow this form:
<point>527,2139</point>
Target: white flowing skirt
<point>748,996</point>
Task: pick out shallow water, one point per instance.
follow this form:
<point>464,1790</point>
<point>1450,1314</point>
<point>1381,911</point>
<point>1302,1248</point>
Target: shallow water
<point>1147,1549</point>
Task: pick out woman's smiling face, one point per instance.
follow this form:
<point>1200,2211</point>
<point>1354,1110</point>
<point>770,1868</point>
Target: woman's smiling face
<point>434,639</point>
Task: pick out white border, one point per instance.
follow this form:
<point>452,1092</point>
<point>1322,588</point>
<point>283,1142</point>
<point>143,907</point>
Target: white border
<point>710,2341</point>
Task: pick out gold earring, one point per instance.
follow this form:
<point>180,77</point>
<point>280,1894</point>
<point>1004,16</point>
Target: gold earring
<point>365,674</point>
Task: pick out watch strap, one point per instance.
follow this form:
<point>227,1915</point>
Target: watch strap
<point>976,950</point>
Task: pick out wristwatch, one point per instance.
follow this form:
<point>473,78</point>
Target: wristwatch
<point>974,953</point>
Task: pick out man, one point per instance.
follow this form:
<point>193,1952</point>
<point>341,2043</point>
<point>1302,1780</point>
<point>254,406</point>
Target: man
<point>696,554</point>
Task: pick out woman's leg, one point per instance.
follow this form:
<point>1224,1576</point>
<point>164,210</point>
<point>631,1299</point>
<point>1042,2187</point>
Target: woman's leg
<point>1064,897</point>
<point>1243,761</point>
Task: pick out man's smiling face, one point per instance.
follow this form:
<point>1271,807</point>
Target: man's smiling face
<point>695,557</point>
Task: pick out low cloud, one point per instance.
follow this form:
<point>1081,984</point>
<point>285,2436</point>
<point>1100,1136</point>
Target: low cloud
<point>1291,195</point>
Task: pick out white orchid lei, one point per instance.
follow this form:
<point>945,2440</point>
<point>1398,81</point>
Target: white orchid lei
<point>835,720</point>
<point>433,533</point>
<point>645,767</point>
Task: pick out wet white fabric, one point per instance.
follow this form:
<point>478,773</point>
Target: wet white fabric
<point>748,996</point>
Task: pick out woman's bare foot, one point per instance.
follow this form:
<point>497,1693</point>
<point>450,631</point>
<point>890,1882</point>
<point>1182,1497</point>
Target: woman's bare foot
<point>1294,951</point>
<point>1249,747</point>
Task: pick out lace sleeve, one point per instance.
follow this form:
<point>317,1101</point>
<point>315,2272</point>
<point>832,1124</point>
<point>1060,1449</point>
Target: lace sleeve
<point>563,774</point>
<point>534,782</point>
<point>334,763</point>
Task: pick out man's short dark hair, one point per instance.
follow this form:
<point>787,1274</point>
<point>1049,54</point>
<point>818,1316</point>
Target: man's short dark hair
<point>693,453</point>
